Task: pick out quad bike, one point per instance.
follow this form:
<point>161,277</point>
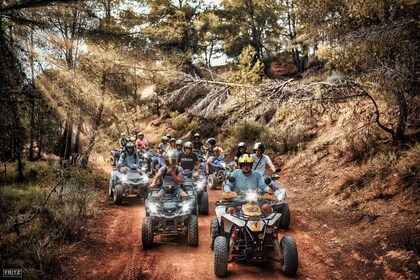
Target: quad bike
<point>197,180</point>
<point>248,235</point>
<point>128,182</point>
<point>219,171</point>
<point>145,156</point>
<point>157,161</point>
<point>278,203</point>
<point>170,216</point>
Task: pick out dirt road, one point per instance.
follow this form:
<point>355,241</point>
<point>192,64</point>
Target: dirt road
<point>113,249</point>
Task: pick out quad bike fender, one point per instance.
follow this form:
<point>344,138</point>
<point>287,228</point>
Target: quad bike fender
<point>272,218</point>
<point>229,221</point>
<point>220,211</point>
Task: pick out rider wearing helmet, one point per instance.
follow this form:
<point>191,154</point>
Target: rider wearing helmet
<point>262,161</point>
<point>171,148</point>
<point>164,145</point>
<point>141,143</point>
<point>171,174</point>
<point>240,152</point>
<point>213,153</point>
<point>197,144</point>
<point>188,159</point>
<point>247,179</point>
<point>178,146</point>
<point>128,156</point>
<point>123,140</point>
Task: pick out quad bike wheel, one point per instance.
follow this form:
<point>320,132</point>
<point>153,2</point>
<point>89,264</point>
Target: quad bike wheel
<point>214,232</point>
<point>118,194</point>
<point>285,216</point>
<point>193,231</point>
<point>147,232</point>
<point>221,254</point>
<point>211,181</point>
<point>204,203</point>
<point>110,192</point>
<point>288,253</point>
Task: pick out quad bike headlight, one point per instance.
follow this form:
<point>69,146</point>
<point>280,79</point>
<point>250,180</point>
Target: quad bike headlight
<point>124,179</point>
<point>153,208</point>
<point>187,206</point>
<point>251,196</point>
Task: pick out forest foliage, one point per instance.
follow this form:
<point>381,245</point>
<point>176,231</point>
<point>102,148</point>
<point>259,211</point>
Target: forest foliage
<point>72,71</point>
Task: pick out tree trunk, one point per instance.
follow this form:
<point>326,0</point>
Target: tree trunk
<point>85,159</point>
<point>32,117</point>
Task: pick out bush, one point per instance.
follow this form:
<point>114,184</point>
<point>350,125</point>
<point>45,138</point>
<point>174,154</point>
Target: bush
<point>179,121</point>
<point>408,166</point>
<point>41,240</point>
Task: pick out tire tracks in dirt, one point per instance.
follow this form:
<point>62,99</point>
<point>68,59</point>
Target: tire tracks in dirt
<point>113,249</point>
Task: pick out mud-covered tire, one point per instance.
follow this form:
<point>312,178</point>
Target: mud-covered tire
<point>214,232</point>
<point>118,194</point>
<point>212,181</point>
<point>288,256</point>
<point>147,232</point>
<point>221,254</point>
<point>285,216</point>
<point>193,230</point>
<point>110,192</point>
<point>204,203</point>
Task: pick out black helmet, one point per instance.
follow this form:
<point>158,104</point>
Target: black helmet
<point>172,140</point>
<point>164,138</point>
<point>170,159</point>
<point>188,145</point>
<point>178,142</point>
<point>241,145</point>
<point>259,146</point>
<point>211,141</point>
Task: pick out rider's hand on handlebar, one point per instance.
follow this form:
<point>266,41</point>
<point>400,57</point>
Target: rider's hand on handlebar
<point>270,191</point>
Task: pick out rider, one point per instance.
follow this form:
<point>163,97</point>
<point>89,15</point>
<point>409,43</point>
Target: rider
<point>240,152</point>
<point>164,145</point>
<point>178,145</point>
<point>262,161</point>
<point>172,175</point>
<point>141,143</point>
<point>198,145</point>
<point>171,148</point>
<point>213,153</point>
<point>123,140</point>
<point>247,179</point>
<point>188,159</point>
<point>128,157</point>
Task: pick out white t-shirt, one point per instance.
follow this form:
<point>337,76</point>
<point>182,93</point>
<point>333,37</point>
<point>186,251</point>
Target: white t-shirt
<point>265,160</point>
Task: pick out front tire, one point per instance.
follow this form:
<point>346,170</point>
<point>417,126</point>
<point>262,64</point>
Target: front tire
<point>147,232</point>
<point>212,181</point>
<point>118,194</point>
<point>214,232</point>
<point>288,256</point>
<point>221,254</point>
<point>204,203</point>
<point>193,231</point>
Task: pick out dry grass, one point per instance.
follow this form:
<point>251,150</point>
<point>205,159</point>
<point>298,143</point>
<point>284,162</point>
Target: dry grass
<point>36,249</point>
